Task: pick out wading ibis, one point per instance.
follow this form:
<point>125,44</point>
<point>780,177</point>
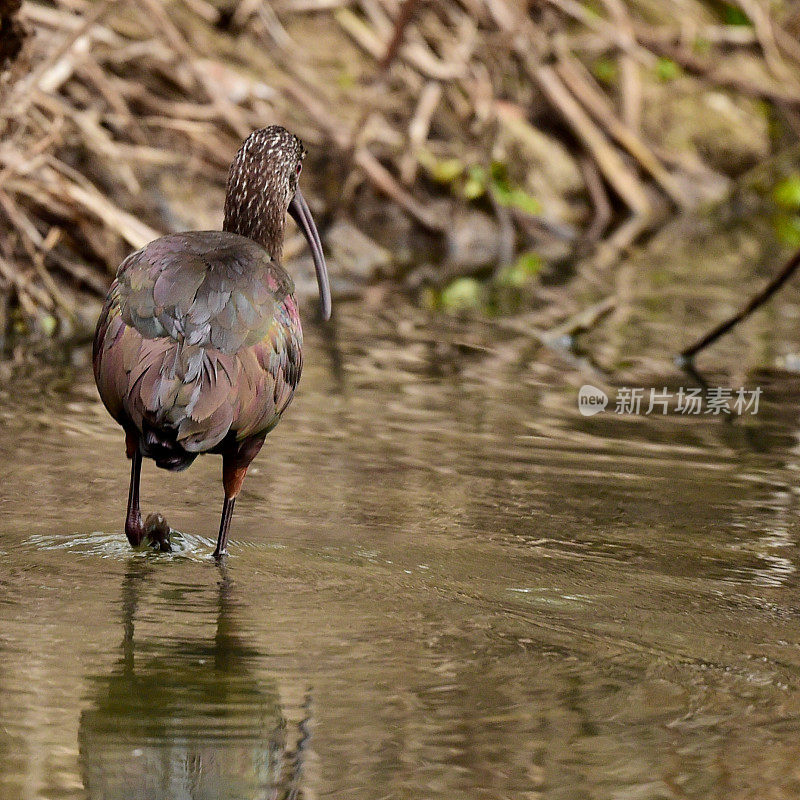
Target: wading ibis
<point>199,348</point>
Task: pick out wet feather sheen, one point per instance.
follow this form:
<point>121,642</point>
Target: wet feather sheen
<point>199,344</point>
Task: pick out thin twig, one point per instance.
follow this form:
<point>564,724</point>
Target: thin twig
<point>403,18</point>
<point>624,182</point>
<point>577,79</point>
<point>755,302</point>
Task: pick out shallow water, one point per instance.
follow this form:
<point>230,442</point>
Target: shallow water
<point>443,582</point>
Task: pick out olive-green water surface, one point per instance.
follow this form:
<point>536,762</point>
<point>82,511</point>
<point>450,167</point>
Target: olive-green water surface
<point>443,582</point>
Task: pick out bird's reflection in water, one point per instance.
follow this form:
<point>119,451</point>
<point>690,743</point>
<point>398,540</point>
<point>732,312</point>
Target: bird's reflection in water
<point>186,720</point>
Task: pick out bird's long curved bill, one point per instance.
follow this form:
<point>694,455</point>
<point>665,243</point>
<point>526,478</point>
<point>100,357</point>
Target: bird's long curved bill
<point>301,214</point>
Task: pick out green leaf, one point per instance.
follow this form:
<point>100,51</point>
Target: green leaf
<point>518,198</point>
<point>498,174</point>
<point>605,69</point>
<point>447,170</point>
<point>510,196</point>
<point>786,193</point>
<point>49,324</point>
<point>788,230</point>
<point>442,170</point>
<point>521,272</point>
<point>475,185</point>
<point>667,69</point>
<point>463,294</point>
<point>733,15</point>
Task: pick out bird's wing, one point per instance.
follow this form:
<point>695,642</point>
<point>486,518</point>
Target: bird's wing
<point>199,340</point>
<point>208,288</point>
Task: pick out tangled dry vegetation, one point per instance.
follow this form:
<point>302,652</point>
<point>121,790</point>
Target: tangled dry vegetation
<point>460,133</point>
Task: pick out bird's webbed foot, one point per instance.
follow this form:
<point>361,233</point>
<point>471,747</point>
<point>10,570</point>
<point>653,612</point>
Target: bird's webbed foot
<point>157,532</point>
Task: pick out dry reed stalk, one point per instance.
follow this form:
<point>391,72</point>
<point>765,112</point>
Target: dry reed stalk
<point>114,99</point>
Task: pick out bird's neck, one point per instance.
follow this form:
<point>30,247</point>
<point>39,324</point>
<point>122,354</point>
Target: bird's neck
<point>257,221</point>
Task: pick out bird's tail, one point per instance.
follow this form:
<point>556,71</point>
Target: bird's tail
<point>162,446</point>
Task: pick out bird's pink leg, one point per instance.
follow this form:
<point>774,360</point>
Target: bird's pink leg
<point>232,480</point>
<point>235,462</point>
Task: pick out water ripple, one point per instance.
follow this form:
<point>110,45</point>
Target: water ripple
<point>114,545</point>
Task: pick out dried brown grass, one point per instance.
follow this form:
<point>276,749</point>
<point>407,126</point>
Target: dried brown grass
<point>107,98</point>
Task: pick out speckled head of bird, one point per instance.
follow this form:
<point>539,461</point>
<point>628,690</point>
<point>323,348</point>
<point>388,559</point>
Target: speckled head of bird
<point>263,188</point>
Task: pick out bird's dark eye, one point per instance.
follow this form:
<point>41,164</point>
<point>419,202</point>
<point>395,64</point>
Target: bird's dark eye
<point>299,168</point>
